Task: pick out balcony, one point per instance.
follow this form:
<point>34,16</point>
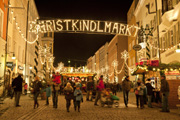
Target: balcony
<point>170,15</point>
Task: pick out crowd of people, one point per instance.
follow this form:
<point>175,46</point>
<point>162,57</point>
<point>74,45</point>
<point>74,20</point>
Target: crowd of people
<point>74,91</point>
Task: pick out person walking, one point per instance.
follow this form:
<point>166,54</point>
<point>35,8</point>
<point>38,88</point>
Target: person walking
<point>17,86</point>
<point>89,89</point>
<point>149,92</point>
<point>78,97</point>
<point>165,94</point>
<point>55,89</point>
<point>126,86</point>
<point>139,91</point>
<point>68,92</point>
<point>25,88</point>
<point>48,93</point>
<point>99,87</point>
<point>36,90</point>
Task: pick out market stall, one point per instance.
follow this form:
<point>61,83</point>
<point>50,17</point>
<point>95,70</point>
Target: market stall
<point>152,69</point>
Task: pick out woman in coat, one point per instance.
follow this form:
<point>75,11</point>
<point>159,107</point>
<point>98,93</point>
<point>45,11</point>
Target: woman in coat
<point>68,91</point>
<point>48,94</point>
<point>36,90</point>
<point>139,91</point>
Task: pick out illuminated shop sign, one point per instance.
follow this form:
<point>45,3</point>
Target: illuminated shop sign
<point>83,26</point>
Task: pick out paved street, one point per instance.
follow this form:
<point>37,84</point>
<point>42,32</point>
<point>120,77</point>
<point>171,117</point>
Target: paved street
<point>88,111</point>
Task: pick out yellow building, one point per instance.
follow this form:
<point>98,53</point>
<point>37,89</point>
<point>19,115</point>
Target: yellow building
<point>131,20</point>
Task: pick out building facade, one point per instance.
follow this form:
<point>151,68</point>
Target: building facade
<point>20,42</point>
<point>131,20</point>
<point>166,28</point>
<point>3,31</point>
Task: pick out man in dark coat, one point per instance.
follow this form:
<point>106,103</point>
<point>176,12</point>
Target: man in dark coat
<point>17,85</point>
<point>89,89</point>
<point>126,86</point>
<point>149,92</point>
<point>165,94</point>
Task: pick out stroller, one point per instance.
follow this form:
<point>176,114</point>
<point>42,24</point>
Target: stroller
<point>109,99</point>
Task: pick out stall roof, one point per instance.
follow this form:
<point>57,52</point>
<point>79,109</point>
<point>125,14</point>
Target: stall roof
<point>77,74</point>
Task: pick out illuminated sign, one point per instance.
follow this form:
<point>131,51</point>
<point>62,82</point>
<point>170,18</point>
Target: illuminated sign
<point>83,26</point>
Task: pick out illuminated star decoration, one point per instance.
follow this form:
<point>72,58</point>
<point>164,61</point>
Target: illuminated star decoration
<point>146,31</point>
<point>45,51</point>
<point>124,55</point>
<point>115,63</point>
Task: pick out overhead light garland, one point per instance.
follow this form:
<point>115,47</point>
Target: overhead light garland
<point>20,32</point>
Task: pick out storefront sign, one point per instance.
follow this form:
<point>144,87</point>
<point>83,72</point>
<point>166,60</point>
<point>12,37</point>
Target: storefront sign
<point>137,47</point>
<point>83,26</point>
<point>9,64</point>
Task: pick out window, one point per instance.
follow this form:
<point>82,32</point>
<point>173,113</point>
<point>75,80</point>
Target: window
<point>19,53</point>
<point>1,22</point>
<point>9,44</point>
<point>129,46</point>
<point>171,38</point>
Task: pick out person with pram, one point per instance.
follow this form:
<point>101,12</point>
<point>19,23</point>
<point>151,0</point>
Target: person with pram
<point>109,99</point>
<point>100,87</point>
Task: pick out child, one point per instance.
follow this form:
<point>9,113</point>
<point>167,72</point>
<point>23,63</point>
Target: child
<point>48,94</point>
<point>79,97</point>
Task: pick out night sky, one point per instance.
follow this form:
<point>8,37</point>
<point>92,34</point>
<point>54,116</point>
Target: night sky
<point>78,47</point>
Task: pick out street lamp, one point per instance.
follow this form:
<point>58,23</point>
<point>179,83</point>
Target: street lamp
<point>13,57</point>
<point>178,49</point>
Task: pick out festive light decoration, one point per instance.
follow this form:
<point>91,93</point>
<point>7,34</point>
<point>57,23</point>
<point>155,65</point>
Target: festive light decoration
<point>22,35</point>
<point>125,55</point>
<point>92,26</point>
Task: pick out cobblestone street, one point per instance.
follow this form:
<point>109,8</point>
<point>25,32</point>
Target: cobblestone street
<point>88,111</point>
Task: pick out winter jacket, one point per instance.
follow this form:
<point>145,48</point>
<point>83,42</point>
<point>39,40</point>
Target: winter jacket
<point>100,85</point>
<point>37,86</point>
<point>89,85</point>
<point>57,79</point>
<point>68,91</point>
<point>25,86</point>
<point>17,84</point>
<point>164,86</point>
<point>78,94</point>
<point>48,91</point>
<point>126,85</point>
<point>140,90</point>
<point>149,89</point>
<point>114,87</point>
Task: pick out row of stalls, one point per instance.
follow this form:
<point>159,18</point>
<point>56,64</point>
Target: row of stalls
<point>153,69</point>
<point>82,77</point>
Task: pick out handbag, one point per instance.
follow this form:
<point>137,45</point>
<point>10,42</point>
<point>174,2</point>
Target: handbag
<point>136,92</point>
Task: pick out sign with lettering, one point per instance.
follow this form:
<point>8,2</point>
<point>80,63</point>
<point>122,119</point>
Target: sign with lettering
<point>83,26</point>
<point>137,47</point>
<point>9,64</point>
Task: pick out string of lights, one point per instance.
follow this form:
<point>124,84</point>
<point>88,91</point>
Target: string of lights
<point>20,32</point>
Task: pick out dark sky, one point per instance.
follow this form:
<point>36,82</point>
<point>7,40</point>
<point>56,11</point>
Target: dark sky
<point>78,47</point>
